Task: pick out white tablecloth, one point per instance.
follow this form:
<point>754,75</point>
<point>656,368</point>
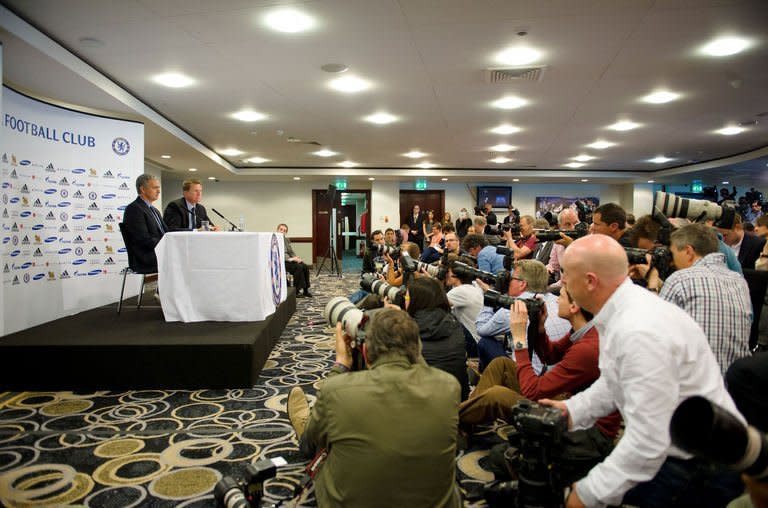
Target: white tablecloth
<point>220,276</point>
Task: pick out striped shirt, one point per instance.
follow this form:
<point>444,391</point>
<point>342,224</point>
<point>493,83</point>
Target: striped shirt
<point>718,300</point>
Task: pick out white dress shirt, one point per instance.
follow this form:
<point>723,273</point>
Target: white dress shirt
<point>652,357</point>
<point>466,303</point>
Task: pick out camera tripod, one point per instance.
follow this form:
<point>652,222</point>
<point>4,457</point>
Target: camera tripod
<point>331,252</point>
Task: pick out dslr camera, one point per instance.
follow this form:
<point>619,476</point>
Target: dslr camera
<point>381,250</point>
<point>661,259</point>
<point>695,210</point>
<point>248,491</point>
<point>374,285</point>
<point>552,235</point>
<point>500,280</point>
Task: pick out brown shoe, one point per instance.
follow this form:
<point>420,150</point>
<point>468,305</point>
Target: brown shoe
<point>298,410</point>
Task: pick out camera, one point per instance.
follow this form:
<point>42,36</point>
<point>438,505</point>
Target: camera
<point>538,434</point>
<point>500,229</point>
<point>381,250</point>
<point>695,209</point>
<point>232,493</point>
<point>437,272</point>
<point>499,280</point>
<point>495,299</point>
<point>352,319</point>
<point>661,259</point>
<point>707,430</point>
<point>553,235</point>
<point>374,285</point>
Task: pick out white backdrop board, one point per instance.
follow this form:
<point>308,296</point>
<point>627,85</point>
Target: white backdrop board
<point>66,178</point>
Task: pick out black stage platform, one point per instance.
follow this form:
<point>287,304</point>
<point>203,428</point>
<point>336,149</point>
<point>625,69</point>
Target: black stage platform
<point>101,350</point>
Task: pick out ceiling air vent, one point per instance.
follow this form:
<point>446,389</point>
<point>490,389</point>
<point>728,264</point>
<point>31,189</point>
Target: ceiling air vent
<point>508,74</point>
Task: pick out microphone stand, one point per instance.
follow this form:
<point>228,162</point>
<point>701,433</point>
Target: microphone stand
<point>234,228</point>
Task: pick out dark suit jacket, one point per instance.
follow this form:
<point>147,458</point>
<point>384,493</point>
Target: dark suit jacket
<point>177,216</point>
<point>416,234</point>
<point>142,233</point>
<point>751,246</point>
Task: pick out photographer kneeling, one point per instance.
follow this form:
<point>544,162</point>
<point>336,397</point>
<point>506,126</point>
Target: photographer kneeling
<point>505,381</point>
<point>385,436</point>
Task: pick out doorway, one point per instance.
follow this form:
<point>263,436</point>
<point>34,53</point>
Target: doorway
<point>352,225</point>
<point>427,200</point>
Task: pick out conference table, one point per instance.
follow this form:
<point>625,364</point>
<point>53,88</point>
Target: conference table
<point>220,276</point>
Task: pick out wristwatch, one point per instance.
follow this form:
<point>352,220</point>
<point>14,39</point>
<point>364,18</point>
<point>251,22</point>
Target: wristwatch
<point>520,345</point>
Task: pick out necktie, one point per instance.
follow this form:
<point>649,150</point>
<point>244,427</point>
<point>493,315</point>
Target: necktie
<point>159,219</point>
<point>193,221</point>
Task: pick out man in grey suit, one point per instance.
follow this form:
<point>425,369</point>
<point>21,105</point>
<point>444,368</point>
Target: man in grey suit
<point>295,265</point>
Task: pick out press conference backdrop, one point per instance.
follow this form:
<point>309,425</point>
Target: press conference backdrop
<point>66,179</point>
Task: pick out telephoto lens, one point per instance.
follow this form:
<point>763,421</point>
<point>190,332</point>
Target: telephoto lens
<point>636,256</point>
<point>374,285</point>
<point>695,209</point>
<point>438,272</point>
<point>380,250</point>
<point>341,310</point>
<point>464,269</point>
<point>229,493</point>
<point>546,235</point>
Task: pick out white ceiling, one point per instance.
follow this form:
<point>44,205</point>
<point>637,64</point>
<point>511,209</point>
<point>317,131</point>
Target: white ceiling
<point>425,59</point>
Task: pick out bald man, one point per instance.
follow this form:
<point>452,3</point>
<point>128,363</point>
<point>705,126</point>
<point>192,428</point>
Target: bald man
<point>652,357</point>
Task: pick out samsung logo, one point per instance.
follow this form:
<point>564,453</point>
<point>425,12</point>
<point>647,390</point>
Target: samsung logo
<point>94,272</point>
<point>15,200</point>
<point>64,204</point>
<point>38,276</point>
<point>78,261</point>
<point>25,162</point>
<point>25,266</point>
<point>121,208</point>
<point>108,196</point>
<point>51,239</point>
<point>6,239</point>
<point>25,214</point>
<point>37,227</point>
<point>6,185</point>
<point>50,191</point>
<point>78,216</point>
<point>78,171</point>
<point>65,251</point>
<point>122,249</point>
<point>15,253</point>
<point>93,227</point>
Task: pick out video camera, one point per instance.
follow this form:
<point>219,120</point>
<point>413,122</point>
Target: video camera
<point>500,280</point>
<point>538,434</point>
<point>232,493</point>
<point>695,210</point>
<point>372,284</point>
<point>552,235</point>
<point>707,430</point>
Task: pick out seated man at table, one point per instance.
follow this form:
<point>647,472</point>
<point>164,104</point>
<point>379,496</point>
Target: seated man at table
<point>186,213</point>
<point>295,265</point>
<point>142,224</point>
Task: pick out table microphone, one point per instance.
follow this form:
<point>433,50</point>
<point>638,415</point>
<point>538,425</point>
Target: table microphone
<point>234,228</point>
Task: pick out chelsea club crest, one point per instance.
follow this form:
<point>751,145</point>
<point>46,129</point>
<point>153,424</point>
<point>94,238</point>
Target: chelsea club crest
<point>275,265</point>
<point>121,146</point>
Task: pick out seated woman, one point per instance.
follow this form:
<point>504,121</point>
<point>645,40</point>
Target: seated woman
<point>442,338</point>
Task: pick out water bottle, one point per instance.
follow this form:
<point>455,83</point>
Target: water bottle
<point>242,223</point>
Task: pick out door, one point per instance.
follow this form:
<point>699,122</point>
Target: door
<point>427,200</point>
<point>321,223</point>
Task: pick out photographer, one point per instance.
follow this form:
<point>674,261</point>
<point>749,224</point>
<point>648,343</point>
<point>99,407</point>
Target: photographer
<point>652,356</point>
<point>386,435</point>
<point>463,223</point>
<point>645,236</point>
<point>513,215</point>
<point>746,247</point>
<point>566,221</point>
<point>716,297</point>
<point>528,279</point>
<point>490,217</point>
<point>507,381</point>
<point>487,260</point>
<point>525,245</point>
<point>390,238</point>
<point>611,220</point>
<point>395,275</point>
<point>442,339</point>
<point>433,252</point>
<point>466,301</point>
<point>370,258</point>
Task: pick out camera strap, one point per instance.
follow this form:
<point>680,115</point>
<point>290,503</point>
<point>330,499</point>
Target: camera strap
<point>315,464</point>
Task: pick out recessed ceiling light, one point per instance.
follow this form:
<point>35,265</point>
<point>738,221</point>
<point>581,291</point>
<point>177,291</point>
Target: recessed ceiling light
<point>211,178</point>
<point>193,169</point>
<point>443,179</point>
<point>325,153</point>
<point>515,179</point>
<point>503,147</point>
<point>90,42</point>
<point>601,145</point>
<point>248,115</point>
<point>574,165</point>
<point>651,181</point>
<point>583,158</point>
<point>624,125</point>
<point>173,80</point>
<point>348,164</point>
<point>509,102</point>
<point>230,152</point>
<point>520,55</point>
<point>501,160</point>
<point>731,130</point>
<point>584,180</point>
<point>289,21</point>
<point>297,178</point>
<point>165,156</point>
<point>660,159</point>
<point>257,160</point>
<point>371,179</point>
<point>349,84</point>
<point>505,128</point>
<point>660,97</point>
<point>334,68</point>
<point>426,165</point>
<point>726,182</point>
<point>725,46</point>
<point>415,154</point>
<point>381,118</point>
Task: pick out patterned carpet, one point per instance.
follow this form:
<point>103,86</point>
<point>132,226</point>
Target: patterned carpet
<point>169,448</point>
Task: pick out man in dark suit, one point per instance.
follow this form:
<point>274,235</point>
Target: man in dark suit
<point>747,247</point>
<point>415,222</point>
<point>142,224</point>
<point>186,213</point>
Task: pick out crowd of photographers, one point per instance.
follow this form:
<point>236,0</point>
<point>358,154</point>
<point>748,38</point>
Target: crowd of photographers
<point>605,325</point>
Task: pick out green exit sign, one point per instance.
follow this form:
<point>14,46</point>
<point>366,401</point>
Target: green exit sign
<point>697,187</point>
<point>421,185</point>
<point>341,185</point>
